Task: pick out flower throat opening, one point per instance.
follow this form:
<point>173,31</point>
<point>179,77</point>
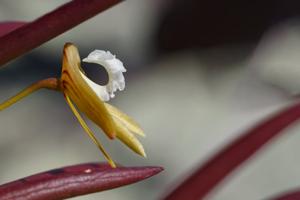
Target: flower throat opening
<point>97,74</point>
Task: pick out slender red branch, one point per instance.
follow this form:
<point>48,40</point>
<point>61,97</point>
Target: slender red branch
<point>207,177</point>
<point>73,181</point>
<point>49,26</point>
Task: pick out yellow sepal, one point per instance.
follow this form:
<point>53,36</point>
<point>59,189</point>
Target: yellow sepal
<point>129,139</point>
<point>125,119</point>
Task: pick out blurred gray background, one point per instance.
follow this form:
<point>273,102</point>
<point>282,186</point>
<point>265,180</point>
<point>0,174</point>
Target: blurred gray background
<point>194,82</point>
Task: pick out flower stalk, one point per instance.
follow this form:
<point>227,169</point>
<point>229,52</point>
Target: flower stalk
<point>49,83</point>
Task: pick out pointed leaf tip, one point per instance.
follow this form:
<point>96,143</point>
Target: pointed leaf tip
<point>76,180</point>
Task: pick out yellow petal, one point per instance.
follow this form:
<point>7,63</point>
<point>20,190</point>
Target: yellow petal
<point>129,139</point>
<point>81,94</point>
<point>125,119</point>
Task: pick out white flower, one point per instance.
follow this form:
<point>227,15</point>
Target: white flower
<point>114,68</point>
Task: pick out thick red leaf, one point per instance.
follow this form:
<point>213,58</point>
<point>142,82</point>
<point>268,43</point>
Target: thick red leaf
<point>49,26</point>
<point>6,27</point>
<point>209,175</point>
<point>73,181</point>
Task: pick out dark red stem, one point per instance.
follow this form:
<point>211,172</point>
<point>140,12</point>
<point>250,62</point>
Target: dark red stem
<point>73,181</point>
<point>207,177</point>
<point>49,26</point>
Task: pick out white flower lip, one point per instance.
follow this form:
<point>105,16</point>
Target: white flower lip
<point>114,68</point>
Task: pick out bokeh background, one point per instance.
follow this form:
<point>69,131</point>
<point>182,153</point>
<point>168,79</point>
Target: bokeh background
<point>200,73</point>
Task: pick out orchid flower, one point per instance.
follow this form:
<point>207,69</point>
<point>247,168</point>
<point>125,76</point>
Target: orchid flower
<point>84,95</point>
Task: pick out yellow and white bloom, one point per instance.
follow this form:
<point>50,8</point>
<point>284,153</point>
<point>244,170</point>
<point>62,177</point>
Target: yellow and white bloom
<point>89,97</point>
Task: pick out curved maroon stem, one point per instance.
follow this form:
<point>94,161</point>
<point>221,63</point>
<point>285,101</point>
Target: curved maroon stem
<point>73,181</point>
<point>49,26</point>
<point>208,176</point>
